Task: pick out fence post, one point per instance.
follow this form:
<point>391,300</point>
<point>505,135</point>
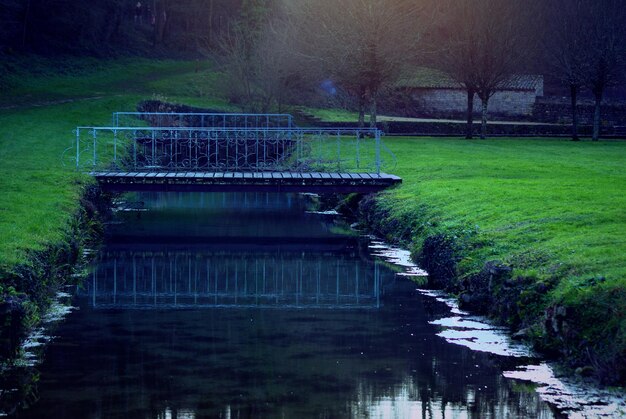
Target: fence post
<point>135,150</point>
<point>299,148</point>
<point>338,150</point>
<point>77,148</point>
<point>115,146</point>
<point>358,149</point>
<point>95,144</point>
<point>153,162</point>
<point>378,152</point>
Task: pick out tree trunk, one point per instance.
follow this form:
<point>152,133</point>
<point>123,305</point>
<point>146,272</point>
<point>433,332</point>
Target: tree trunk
<point>362,109</point>
<point>597,114</point>
<point>25,25</point>
<point>469,133</point>
<point>574,96</point>
<point>361,116</point>
<point>210,21</point>
<point>483,128</point>
<point>374,112</point>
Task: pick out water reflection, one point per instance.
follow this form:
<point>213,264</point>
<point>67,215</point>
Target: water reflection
<point>343,338</point>
<point>179,279</point>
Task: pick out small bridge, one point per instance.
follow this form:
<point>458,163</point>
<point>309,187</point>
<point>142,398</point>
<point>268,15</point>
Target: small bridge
<point>230,152</point>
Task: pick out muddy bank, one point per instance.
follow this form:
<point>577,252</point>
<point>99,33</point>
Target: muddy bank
<point>578,334</point>
<point>29,289</point>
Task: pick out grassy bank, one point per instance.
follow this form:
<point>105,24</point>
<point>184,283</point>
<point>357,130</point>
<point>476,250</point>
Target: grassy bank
<point>38,111</point>
<point>42,102</point>
<point>530,231</point>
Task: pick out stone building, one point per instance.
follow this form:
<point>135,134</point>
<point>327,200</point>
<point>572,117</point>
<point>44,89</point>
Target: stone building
<point>433,93</point>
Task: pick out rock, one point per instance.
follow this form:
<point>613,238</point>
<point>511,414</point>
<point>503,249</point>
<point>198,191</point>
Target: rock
<point>497,268</point>
<point>521,334</point>
<point>586,371</point>
<point>466,298</point>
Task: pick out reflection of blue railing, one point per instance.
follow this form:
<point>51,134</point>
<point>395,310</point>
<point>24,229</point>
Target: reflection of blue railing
<point>202,120</point>
<point>188,279</point>
<point>218,149</point>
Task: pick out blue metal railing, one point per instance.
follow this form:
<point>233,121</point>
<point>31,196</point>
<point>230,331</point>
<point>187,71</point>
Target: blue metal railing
<point>202,120</point>
<point>225,142</point>
<point>227,149</point>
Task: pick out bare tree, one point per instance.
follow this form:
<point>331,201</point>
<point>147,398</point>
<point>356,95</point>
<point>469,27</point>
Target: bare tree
<point>259,61</point>
<point>484,47</point>
<point>236,64</point>
<point>362,45</point>
<point>564,43</point>
<point>278,72</point>
<point>605,33</point>
<point>459,54</point>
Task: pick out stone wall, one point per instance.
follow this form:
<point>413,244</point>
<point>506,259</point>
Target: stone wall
<point>454,101</point>
<point>559,111</point>
<point>458,129</point>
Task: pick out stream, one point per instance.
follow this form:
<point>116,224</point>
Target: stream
<point>251,305</point>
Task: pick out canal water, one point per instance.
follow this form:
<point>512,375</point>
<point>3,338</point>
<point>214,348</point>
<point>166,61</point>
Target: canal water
<point>248,305</point>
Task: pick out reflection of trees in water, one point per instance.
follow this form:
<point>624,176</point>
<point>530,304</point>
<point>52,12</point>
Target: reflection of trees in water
<point>291,362</point>
<point>410,399</point>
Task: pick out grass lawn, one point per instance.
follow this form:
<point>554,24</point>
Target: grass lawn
<point>559,202</point>
<point>38,113</point>
<point>334,115</point>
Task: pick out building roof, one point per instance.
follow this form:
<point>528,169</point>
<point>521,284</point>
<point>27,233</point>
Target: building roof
<point>430,78</point>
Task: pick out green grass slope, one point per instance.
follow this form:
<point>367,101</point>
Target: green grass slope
<point>552,210</point>
<point>38,112</point>
<point>41,213</point>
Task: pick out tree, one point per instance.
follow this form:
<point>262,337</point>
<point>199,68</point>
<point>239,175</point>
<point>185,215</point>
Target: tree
<point>279,73</point>
<point>362,45</point>
<point>259,60</point>
<point>459,53</point>
<point>584,44</point>
<point>564,43</point>
<point>484,47</point>
<point>108,27</point>
<point>605,33</point>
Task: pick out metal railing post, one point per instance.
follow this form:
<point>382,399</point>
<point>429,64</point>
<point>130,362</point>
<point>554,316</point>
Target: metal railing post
<point>77,148</point>
<point>299,149</point>
<point>377,152</point>
<point>256,150</point>
<point>135,150</point>
<point>358,149</point>
<point>95,144</point>
<point>153,162</point>
<point>338,150</point>
<point>115,146</point>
